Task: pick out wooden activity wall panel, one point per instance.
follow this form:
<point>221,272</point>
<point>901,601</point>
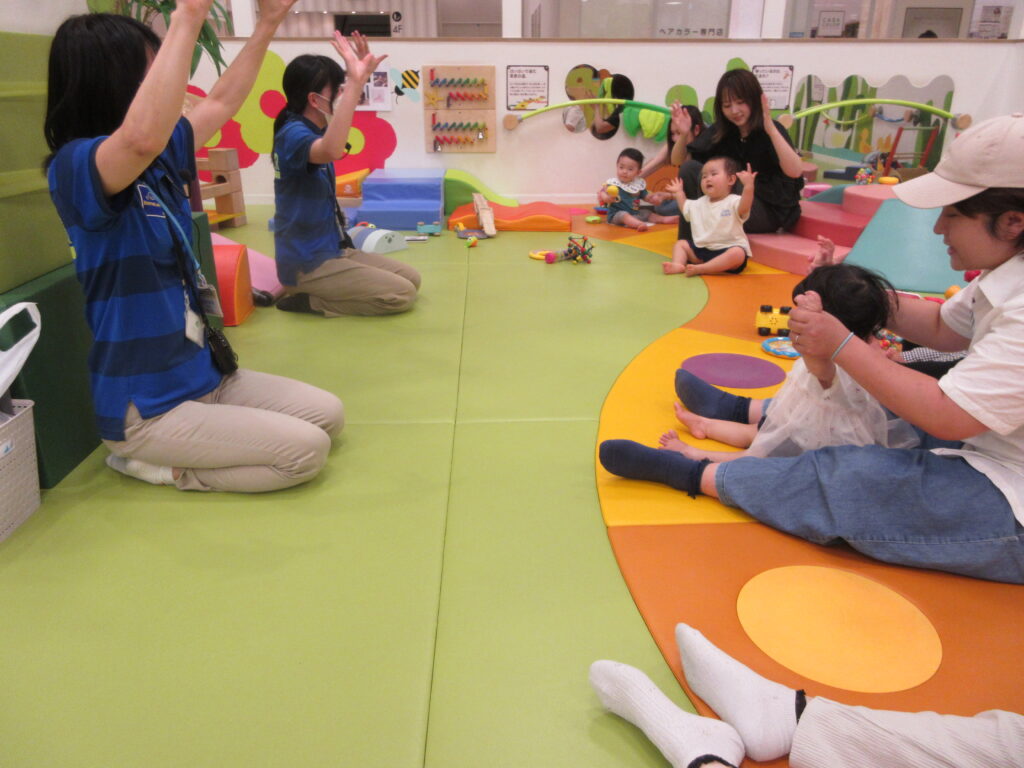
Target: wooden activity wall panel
<point>458,104</point>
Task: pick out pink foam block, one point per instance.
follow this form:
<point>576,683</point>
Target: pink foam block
<point>262,269</point>
<point>787,252</point>
<point>831,221</point>
<point>865,199</point>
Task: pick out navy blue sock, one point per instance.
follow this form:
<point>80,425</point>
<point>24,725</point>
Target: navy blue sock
<point>639,462</point>
<point>709,401</point>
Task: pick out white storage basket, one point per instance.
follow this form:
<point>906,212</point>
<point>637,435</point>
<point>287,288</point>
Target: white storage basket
<point>19,472</point>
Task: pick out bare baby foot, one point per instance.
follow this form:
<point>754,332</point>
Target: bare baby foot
<point>692,421</point>
<point>672,269</point>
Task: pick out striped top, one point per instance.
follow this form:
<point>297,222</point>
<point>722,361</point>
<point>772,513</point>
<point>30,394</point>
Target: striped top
<point>306,230</point>
<point>134,294</point>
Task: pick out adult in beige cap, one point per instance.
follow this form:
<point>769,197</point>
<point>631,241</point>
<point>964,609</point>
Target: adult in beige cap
<point>956,502</point>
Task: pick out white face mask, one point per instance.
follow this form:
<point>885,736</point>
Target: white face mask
<point>327,113</point>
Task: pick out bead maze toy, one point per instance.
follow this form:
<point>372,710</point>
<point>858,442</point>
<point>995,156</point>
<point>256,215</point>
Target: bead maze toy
<point>579,250</point>
<point>460,101</point>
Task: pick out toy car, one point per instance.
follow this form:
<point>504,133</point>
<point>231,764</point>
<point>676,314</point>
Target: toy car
<point>772,321</point>
<point>429,229</point>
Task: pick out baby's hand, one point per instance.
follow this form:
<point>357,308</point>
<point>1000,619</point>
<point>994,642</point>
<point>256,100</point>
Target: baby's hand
<point>746,177</point>
<point>826,253</point>
<point>675,186</point>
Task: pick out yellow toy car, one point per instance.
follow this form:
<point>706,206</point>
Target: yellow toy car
<point>772,321</point>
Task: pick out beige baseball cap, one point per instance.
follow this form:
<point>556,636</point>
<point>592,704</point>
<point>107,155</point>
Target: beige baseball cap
<point>989,154</point>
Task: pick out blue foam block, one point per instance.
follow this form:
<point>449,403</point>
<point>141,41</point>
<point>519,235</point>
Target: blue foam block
<point>899,243</point>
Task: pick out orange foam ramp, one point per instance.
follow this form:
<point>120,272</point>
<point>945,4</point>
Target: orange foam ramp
<point>233,282</point>
<point>532,217</point>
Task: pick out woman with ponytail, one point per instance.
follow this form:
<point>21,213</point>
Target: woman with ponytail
<point>316,261</point>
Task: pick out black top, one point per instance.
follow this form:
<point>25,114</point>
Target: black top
<point>772,187</point>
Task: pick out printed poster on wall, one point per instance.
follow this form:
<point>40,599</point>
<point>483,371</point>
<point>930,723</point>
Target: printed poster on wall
<point>776,82</point>
<point>376,95</point>
<point>526,87</point>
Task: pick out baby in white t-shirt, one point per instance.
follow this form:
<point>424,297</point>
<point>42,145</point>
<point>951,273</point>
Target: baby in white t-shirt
<point>718,243</point>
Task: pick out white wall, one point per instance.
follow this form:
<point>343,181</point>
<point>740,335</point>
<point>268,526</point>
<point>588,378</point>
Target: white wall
<point>540,160</point>
<point>39,18</point>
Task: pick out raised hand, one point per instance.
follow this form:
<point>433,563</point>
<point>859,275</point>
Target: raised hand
<point>681,119</point>
<point>194,8</point>
<point>359,62</point>
<point>747,177</point>
<point>675,186</point>
<point>275,10</point>
<point>766,111</point>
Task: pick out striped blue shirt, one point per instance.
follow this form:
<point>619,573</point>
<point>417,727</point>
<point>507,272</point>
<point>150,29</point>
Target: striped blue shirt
<point>129,271</point>
<point>306,230</point>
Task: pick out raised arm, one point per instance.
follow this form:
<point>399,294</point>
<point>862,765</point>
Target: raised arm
<point>147,126</point>
<point>789,159</point>
<point>233,86</point>
<point>683,124</point>
<point>656,162</point>
<point>747,198</point>
<point>359,66</point>
<point>913,396</point>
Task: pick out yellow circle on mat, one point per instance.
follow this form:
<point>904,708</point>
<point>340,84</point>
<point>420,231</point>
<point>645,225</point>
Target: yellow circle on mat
<point>839,628</point>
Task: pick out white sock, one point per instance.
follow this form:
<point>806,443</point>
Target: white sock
<point>140,470</point>
<point>679,735</point>
<point>763,712</point>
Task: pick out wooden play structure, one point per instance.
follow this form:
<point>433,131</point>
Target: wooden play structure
<point>225,189</point>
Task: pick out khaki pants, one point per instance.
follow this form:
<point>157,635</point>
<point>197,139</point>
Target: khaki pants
<point>255,432</point>
<point>359,283</point>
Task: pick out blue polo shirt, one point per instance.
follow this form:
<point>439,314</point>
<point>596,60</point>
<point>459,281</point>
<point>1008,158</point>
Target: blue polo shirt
<point>306,229</point>
<point>129,271</point>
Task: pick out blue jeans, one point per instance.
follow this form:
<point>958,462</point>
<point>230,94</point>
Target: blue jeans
<point>909,507</point>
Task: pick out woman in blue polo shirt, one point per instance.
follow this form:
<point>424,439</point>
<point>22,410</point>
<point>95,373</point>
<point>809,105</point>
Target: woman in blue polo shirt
<point>120,153</point>
<point>316,260</point>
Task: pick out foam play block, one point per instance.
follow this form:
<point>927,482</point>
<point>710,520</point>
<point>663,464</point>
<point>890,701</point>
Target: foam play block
<point>262,268</point>
<point>899,243</point>
<point>351,184</point>
<point>786,251</point>
<point>829,220</point>
<point>398,199</point>
<point>865,199</point>
<point>532,217</point>
<point>56,375</point>
<point>460,186</point>
<point>232,264</point>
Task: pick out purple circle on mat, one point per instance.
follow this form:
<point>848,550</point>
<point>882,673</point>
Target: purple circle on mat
<point>724,369</point>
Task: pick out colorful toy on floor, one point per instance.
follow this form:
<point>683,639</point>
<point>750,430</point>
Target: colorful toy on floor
<point>429,229</point>
<point>579,250</point>
<point>864,176</point>
<point>472,241</point>
<point>888,340</point>
<point>772,321</point>
<point>592,219</point>
<point>780,346</point>
<point>465,233</point>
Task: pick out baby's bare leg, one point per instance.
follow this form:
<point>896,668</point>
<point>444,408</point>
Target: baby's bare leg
<point>681,254</point>
<point>670,442</point>
<point>728,432</point>
<point>723,262</point>
<point>657,218</point>
<point>631,221</point>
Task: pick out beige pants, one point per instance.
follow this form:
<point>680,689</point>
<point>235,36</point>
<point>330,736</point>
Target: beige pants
<point>831,735</point>
<point>255,432</point>
<point>359,283</point>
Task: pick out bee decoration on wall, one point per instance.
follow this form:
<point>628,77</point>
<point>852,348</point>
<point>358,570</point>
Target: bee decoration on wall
<point>406,83</point>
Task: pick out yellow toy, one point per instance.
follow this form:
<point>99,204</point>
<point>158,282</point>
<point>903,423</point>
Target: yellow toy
<point>952,291</point>
<point>612,191</point>
<point>772,321</point>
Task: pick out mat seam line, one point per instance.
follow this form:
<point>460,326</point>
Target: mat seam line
<point>447,511</point>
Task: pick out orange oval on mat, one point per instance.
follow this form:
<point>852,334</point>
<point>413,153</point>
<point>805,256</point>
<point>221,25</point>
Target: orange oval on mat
<point>839,628</point>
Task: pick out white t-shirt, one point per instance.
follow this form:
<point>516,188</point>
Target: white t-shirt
<point>989,382</point>
<point>805,417</point>
<point>716,225</point>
